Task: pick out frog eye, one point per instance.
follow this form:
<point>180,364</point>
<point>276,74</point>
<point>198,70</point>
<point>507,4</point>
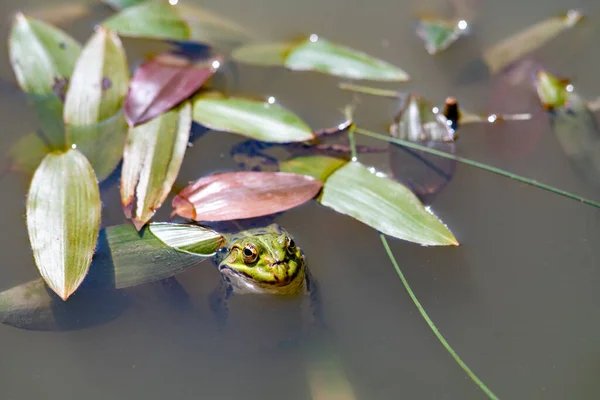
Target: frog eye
<point>291,245</point>
<point>249,254</point>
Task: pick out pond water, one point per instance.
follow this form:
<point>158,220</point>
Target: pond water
<point>517,300</point>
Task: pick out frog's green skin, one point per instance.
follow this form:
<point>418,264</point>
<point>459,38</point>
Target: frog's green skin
<point>263,261</point>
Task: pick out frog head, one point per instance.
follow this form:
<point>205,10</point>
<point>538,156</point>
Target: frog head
<point>263,259</point>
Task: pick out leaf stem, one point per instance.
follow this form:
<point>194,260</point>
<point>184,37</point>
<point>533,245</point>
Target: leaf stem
<point>369,90</point>
<point>479,165</point>
<point>432,326</point>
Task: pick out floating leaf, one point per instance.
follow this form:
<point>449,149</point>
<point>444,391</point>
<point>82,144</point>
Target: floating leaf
<point>163,82</point>
<point>439,34</point>
<point>121,4</point>
<point>417,121</point>
<point>255,119</point>
<point>42,56</point>
<point>151,161</point>
<point>191,239</point>
<point>99,82</point>
<point>149,20</point>
<point>516,46</point>
<point>263,54</point>
<point>101,143</point>
<point>318,166</point>
<point>63,219</point>
<point>126,257</point>
<point>317,54</point>
<point>161,20</point>
<point>240,195</point>
<point>384,205</point>
<point>33,306</point>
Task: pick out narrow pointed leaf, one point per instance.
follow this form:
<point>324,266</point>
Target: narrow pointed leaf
<point>318,166</point>
<point>439,34</point>
<point>151,161</point>
<point>552,91</point>
<point>333,59</point>
<point>42,56</point>
<point>102,143</point>
<point>263,54</point>
<point>522,43</point>
<point>99,82</point>
<point>126,258</point>
<point>254,119</point>
<point>191,239</point>
<point>121,4</point>
<point>240,195</point>
<point>384,205</point>
<point>163,82</point>
<point>150,19</point>
<point>63,219</point>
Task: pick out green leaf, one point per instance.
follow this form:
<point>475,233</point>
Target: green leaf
<point>522,43</point>
<point>192,239</point>
<point>99,82</point>
<point>42,56</point>
<point>318,54</point>
<point>383,204</point>
<point>149,20</point>
<point>255,119</point>
<point>63,219</point>
<point>319,167</point>
<point>121,4</point>
<point>439,34</point>
<point>153,155</point>
<point>552,91</point>
<point>128,258</point>
<point>263,54</point>
<point>27,153</point>
<point>102,143</point>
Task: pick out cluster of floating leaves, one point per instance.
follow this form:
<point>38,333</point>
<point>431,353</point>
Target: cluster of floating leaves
<point>94,116</point>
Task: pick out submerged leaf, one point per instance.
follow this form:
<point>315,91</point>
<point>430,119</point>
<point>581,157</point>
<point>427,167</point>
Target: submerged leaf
<point>149,20</point>
<point>317,166</point>
<point>151,161</point>
<point>163,82</point>
<point>126,257</point>
<point>99,82</point>
<point>101,143</point>
<point>520,44</point>
<point>552,91</point>
<point>240,195</point>
<point>384,205</point>
<point>417,121</point>
<point>188,238</point>
<point>439,34</point>
<point>27,153</point>
<point>42,56</point>
<point>318,54</point>
<point>255,119</point>
<point>63,219</point>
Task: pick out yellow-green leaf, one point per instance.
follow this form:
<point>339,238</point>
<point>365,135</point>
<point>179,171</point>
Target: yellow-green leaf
<point>263,54</point>
<point>99,82</point>
<point>153,155</point>
<point>192,239</point>
<point>317,166</point>
<point>42,56</point>
<point>522,43</point>
<point>383,204</point>
<point>255,119</point>
<point>63,219</point>
<point>321,55</point>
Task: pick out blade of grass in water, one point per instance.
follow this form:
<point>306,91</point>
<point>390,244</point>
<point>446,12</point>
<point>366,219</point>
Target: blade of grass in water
<point>498,171</point>
<point>432,326</point>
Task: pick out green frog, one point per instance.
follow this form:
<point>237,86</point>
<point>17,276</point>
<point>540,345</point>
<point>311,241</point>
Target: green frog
<point>264,261</point>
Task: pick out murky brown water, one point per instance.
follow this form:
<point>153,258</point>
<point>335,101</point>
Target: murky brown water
<point>518,300</point>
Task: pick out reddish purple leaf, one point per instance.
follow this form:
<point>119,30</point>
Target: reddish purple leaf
<point>163,82</point>
<point>240,195</point>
